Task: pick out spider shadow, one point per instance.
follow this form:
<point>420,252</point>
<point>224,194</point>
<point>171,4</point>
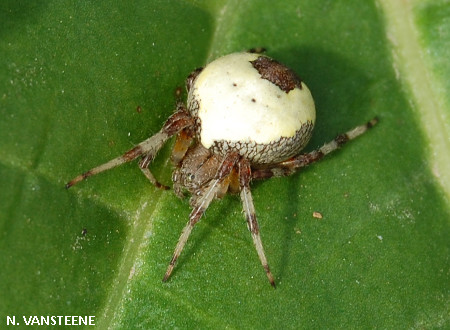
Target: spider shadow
<point>342,98</point>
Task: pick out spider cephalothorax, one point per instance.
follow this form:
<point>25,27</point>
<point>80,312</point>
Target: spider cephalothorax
<point>247,117</point>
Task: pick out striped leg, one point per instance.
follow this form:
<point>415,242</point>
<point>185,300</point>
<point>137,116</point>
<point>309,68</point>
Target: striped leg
<point>148,148</point>
<point>207,194</point>
<point>293,164</point>
<point>182,144</point>
<point>249,209</point>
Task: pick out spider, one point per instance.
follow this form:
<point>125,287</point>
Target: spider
<point>247,117</point>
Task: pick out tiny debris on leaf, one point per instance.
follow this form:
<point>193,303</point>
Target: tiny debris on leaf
<point>317,215</point>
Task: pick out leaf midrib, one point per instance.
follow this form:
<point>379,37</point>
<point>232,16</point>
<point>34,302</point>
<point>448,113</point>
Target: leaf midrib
<point>418,79</point>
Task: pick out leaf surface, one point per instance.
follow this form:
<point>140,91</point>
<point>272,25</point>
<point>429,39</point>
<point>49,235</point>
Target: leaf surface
<point>82,82</point>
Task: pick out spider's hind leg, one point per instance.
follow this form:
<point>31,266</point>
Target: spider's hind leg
<point>295,163</point>
<point>257,50</point>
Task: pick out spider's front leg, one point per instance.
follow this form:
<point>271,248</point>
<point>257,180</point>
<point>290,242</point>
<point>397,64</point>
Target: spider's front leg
<point>206,195</point>
<point>245,175</point>
<point>148,148</point>
<point>295,163</point>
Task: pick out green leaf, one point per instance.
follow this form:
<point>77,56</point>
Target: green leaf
<point>81,82</point>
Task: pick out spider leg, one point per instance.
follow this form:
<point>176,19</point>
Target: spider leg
<point>202,203</point>
<point>257,50</point>
<point>182,144</point>
<point>176,122</point>
<point>291,165</point>
<point>249,209</point>
<point>144,164</point>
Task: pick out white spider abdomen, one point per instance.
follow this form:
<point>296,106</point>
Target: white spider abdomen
<point>251,103</point>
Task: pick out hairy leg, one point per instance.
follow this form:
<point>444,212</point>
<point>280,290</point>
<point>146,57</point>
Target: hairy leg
<point>295,163</point>
<point>148,148</point>
<point>182,144</point>
<point>249,209</point>
<point>207,194</point>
